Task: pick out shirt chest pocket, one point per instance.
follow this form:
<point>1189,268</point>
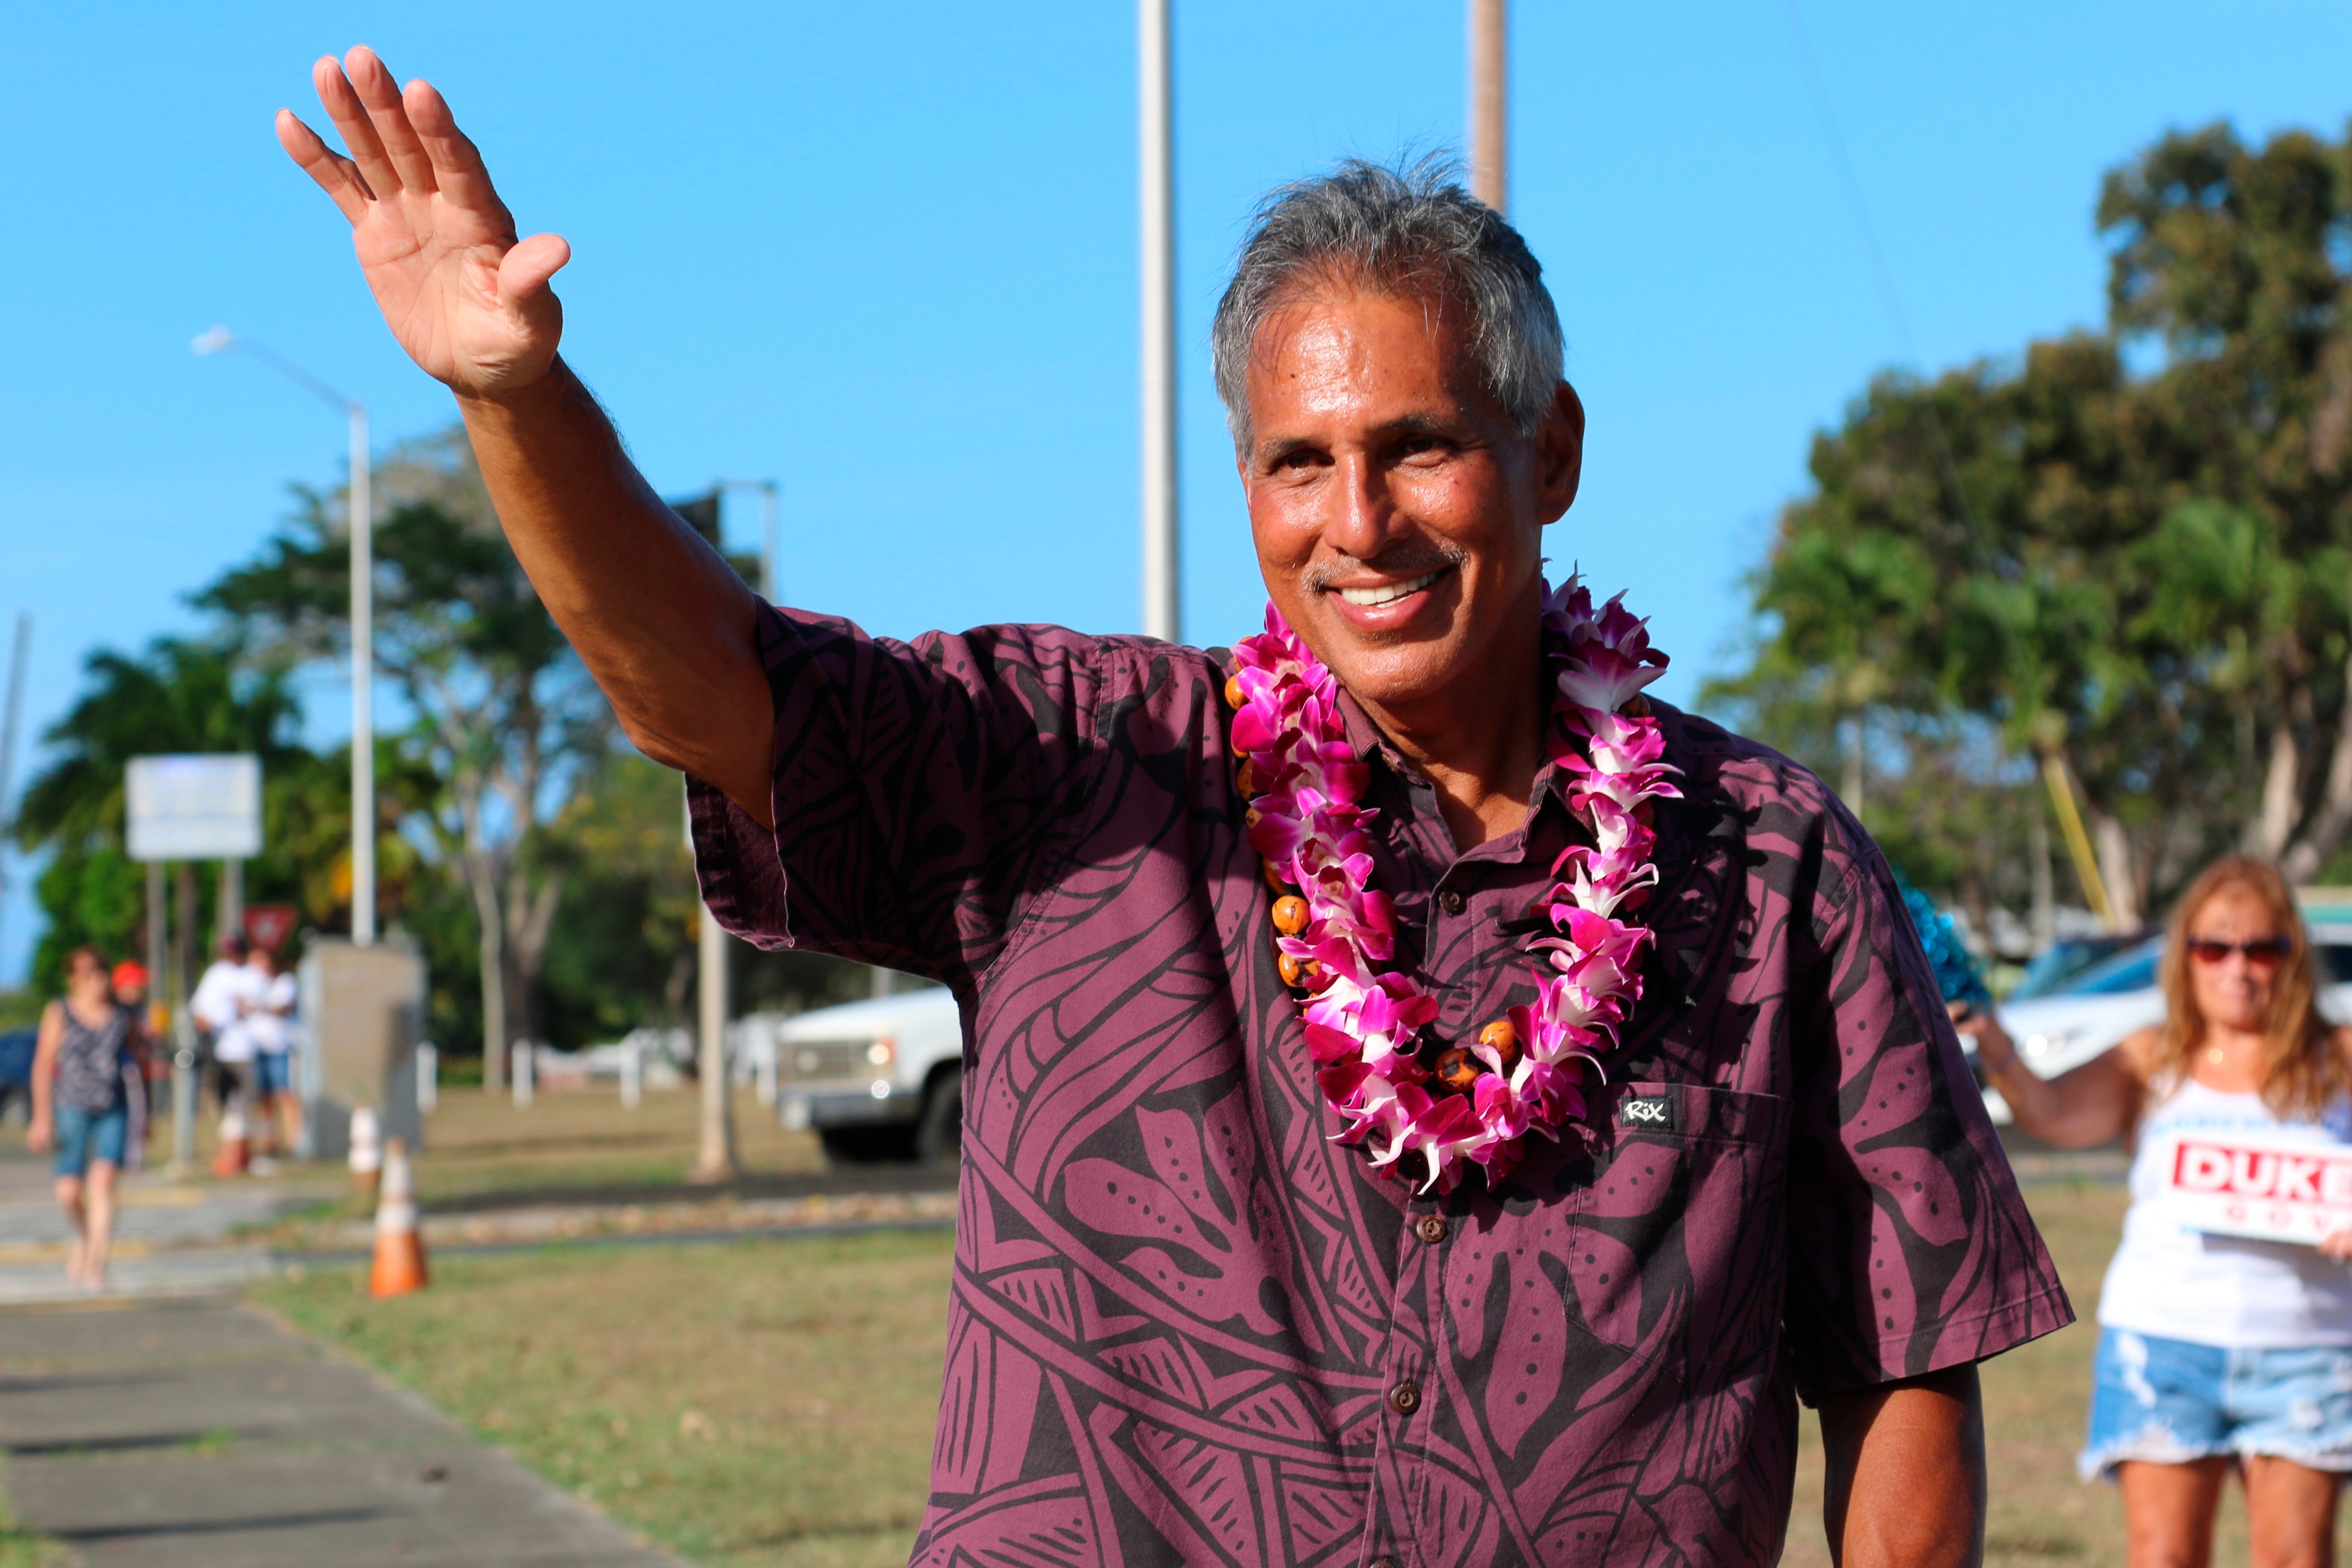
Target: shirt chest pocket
<point>1668,1246</point>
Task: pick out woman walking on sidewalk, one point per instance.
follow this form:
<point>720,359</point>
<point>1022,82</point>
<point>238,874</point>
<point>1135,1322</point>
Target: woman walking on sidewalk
<point>2215,1351</point>
<point>88,1041</point>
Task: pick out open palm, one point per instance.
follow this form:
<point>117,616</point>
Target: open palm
<point>467,300</point>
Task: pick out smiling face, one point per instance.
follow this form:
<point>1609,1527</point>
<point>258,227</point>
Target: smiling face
<point>1398,514</point>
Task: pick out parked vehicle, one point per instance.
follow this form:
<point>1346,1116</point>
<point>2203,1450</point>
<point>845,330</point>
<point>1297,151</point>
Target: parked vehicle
<point>877,1080</point>
<point>2066,958</point>
<point>2093,1012</point>
<point>16,1068</point>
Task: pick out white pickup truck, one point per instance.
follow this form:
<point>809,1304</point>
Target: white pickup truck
<point>875,1080</point>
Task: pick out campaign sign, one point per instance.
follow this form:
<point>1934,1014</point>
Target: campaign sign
<point>2246,1184</point>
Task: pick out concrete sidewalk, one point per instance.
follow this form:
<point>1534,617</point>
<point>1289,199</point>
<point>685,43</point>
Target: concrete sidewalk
<point>170,1238</point>
<point>176,1432</point>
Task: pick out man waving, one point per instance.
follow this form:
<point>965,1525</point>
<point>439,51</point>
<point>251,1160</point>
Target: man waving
<point>1426,1103</point>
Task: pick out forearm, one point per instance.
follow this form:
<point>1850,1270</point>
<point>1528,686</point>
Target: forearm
<point>662,623</point>
<point>2072,1111</point>
<point>1906,1483</point>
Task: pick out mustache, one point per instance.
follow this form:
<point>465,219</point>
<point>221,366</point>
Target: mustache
<point>1407,560</point>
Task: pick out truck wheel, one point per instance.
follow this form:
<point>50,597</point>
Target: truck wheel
<point>938,1136</point>
<point>866,1146</point>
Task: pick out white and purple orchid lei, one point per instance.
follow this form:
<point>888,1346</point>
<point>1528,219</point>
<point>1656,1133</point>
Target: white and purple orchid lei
<point>1362,1019</point>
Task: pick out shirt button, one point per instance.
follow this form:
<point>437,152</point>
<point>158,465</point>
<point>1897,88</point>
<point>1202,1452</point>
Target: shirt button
<point>1431,1227</point>
<point>1450,901</point>
<point>1405,1397</point>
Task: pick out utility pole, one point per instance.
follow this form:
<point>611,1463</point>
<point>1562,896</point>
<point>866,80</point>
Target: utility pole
<point>1161,604</point>
<point>715,1159</point>
<point>1490,120</point>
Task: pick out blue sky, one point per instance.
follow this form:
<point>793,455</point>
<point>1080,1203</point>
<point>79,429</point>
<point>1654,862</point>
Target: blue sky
<point>885,253</point>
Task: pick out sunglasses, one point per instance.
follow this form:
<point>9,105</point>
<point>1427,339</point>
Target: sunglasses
<point>2267,953</point>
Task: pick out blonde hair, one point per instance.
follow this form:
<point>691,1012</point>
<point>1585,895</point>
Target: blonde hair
<point>2302,1070</point>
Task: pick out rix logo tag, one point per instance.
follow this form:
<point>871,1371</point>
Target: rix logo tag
<point>1646,1110</point>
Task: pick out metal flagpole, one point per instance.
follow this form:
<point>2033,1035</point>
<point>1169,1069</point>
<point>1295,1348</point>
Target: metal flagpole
<point>1161,606</point>
<point>1490,76</point>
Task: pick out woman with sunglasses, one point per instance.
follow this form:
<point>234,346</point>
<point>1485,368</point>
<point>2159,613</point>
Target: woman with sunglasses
<point>2215,1351</point>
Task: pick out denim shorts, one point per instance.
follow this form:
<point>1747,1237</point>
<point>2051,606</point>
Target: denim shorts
<point>271,1073</point>
<point>87,1135</point>
<point>2171,1402</point>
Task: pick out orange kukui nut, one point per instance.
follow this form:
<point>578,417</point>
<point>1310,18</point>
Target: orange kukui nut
<point>1248,779</point>
<point>1290,914</point>
<point>1293,971</point>
<point>1273,876</point>
<point>1233,696</point>
<point>1457,1069</point>
<point>1504,1040</point>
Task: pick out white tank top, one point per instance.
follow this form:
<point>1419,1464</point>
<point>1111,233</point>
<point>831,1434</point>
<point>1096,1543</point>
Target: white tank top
<point>2182,1284</point>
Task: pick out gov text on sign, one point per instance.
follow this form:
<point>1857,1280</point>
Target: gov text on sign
<point>2247,1184</point>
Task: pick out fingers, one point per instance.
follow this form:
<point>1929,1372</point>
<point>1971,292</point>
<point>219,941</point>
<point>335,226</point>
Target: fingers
<point>350,117</point>
<point>524,270</point>
<point>385,113</point>
<point>337,176</point>
<point>458,167</point>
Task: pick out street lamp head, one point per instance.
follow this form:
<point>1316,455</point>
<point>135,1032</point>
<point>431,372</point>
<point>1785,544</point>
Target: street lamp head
<point>214,339</point>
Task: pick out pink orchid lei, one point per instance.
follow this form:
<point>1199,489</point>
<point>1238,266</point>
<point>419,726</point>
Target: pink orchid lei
<point>1337,932</point>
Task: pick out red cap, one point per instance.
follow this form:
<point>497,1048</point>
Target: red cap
<point>129,975</point>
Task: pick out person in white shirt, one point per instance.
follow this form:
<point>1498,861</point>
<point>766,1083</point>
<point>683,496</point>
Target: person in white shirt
<point>2216,1352</point>
<point>269,1023</point>
<point>221,1005</point>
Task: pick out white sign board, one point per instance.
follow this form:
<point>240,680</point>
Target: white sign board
<point>195,807</point>
<point>2244,1183</point>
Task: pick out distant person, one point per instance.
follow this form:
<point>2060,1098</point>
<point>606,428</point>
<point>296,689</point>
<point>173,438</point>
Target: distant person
<point>81,1107</point>
<point>269,1021</point>
<point>223,1000</point>
<point>2215,1351</point>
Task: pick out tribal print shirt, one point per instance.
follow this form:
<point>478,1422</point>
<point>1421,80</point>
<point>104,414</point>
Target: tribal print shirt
<point>1187,1327</point>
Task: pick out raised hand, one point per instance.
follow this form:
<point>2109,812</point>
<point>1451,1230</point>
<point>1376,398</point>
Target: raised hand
<point>468,300</point>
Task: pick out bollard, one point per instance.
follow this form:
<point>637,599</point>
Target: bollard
<point>367,1152</point>
<point>428,1078</point>
<point>525,1065</point>
<point>632,1074</point>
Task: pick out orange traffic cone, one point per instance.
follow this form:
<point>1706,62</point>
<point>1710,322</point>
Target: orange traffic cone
<point>367,1153</point>
<point>235,1151</point>
<point>399,1248</point>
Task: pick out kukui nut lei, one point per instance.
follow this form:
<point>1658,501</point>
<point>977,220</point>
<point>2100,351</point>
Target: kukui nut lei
<point>1334,931</point>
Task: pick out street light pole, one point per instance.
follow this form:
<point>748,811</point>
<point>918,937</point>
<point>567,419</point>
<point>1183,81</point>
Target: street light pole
<point>1155,123</point>
<point>361,525</point>
<point>1490,84</point>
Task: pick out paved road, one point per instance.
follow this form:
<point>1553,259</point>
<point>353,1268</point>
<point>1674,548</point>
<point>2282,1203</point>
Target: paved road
<point>177,1431</point>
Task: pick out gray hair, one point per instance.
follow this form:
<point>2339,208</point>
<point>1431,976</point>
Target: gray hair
<point>1406,229</point>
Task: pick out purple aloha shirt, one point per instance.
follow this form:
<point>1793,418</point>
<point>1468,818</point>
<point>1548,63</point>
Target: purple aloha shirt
<point>1185,1326</point>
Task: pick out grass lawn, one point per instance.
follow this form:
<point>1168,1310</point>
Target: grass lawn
<point>762,1403</point>
<point>770,1404</point>
<point>476,1142</point>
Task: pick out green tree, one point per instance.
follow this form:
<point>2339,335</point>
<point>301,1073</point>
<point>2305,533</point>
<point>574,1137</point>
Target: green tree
<point>182,695</point>
<point>504,718</point>
<point>2060,569</point>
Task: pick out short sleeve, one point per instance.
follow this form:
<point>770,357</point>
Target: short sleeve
<point>920,792</point>
<point>1911,1248</point>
